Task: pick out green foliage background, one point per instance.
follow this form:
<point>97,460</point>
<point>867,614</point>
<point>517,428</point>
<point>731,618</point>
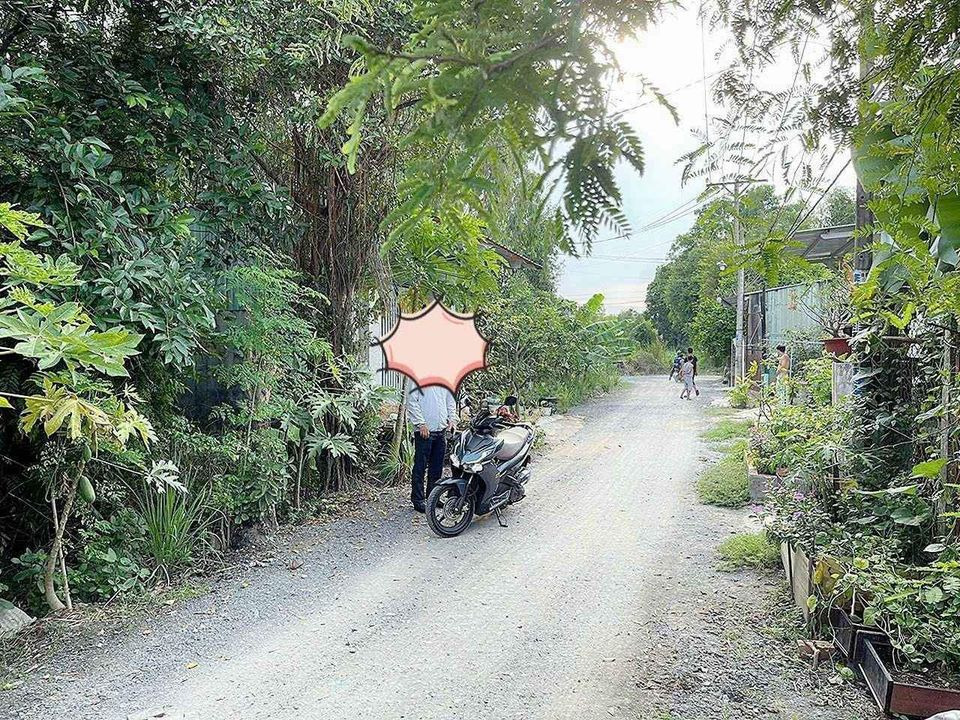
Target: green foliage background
<point>215,200</point>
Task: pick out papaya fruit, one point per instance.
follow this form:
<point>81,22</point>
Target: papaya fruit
<point>86,489</point>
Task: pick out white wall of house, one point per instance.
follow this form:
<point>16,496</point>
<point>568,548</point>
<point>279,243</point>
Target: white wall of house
<point>379,327</point>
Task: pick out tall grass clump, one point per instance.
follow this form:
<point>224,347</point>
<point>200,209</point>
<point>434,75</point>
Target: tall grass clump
<point>177,524</point>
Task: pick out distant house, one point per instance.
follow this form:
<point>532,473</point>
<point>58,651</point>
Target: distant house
<point>383,324</point>
<point>774,315</point>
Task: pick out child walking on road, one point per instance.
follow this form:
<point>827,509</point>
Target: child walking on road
<point>686,372</point>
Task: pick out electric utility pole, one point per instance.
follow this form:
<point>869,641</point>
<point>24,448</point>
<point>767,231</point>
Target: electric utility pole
<point>739,344</point>
<point>862,239</point>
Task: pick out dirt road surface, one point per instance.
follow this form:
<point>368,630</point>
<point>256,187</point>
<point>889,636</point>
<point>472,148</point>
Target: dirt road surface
<point>600,600</point>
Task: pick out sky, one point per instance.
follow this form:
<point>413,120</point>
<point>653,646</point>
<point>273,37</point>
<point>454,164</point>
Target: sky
<point>671,56</point>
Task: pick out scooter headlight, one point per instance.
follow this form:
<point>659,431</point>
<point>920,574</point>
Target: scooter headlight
<point>476,467</point>
<point>454,460</point>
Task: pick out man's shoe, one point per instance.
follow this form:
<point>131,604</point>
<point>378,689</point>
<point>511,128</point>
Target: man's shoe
<point>419,507</point>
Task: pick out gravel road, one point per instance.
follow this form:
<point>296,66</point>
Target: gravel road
<point>601,599</point>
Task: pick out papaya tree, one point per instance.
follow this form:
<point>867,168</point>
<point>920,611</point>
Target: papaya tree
<point>74,362</point>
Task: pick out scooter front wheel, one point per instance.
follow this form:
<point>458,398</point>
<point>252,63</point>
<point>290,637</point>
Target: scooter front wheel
<point>447,514</point>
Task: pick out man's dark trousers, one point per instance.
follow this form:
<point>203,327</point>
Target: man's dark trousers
<point>428,454</point>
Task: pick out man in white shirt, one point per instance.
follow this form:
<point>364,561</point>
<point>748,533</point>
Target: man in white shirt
<point>432,411</point>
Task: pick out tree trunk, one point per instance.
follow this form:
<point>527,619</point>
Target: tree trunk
<point>343,213</point>
<point>50,567</point>
<point>61,558</point>
<point>399,428</point>
<point>301,457</point>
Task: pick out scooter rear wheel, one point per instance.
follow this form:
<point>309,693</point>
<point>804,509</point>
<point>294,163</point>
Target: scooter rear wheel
<point>443,517</point>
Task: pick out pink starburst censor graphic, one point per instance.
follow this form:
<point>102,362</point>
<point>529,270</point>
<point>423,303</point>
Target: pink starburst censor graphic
<point>435,347</point>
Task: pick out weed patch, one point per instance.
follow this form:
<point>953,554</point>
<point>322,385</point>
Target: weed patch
<point>728,429</point>
<point>725,482</point>
<point>748,550</point>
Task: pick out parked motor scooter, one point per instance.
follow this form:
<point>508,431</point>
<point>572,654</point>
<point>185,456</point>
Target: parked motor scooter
<point>490,466</point>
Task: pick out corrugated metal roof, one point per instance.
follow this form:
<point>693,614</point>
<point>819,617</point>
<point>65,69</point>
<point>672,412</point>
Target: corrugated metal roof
<point>825,246</point>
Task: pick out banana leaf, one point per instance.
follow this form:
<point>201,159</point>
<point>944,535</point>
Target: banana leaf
<point>947,246</point>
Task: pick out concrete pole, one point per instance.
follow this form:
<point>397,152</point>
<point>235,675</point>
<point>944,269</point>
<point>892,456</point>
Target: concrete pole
<point>741,369</point>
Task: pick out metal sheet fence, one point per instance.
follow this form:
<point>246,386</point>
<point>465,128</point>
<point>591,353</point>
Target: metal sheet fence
<point>379,327</point>
<point>778,316</point>
<point>791,309</point>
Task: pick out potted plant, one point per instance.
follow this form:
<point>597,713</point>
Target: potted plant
<point>763,471</point>
<point>893,680</point>
<point>896,694</point>
<point>850,634</point>
<point>828,305</point>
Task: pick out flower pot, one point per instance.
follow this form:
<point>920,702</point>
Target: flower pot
<point>758,483</point>
<point>849,636</point>
<point>875,673</point>
<point>837,346</point>
<point>898,697</point>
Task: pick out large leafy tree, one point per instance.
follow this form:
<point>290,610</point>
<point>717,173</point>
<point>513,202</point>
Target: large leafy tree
<point>126,151</point>
<point>529,80</point>
<point>277,64</point>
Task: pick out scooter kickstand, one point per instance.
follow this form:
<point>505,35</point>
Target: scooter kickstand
<point>500,520</point>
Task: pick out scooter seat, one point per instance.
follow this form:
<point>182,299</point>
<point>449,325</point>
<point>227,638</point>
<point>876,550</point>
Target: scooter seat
<point>514,438</point>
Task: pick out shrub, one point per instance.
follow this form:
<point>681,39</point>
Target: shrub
<point>176,524</point>
<point>740,394</point>
<point>816,375</point>
<point>105,565</point>
<point>798,438</point>
<point>748,550</point>
<point>725,482</point>
<point>649,359</point>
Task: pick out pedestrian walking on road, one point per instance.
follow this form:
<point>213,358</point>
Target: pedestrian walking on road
<point>686,372</point>
<point>675,368</point>
<point>693,358</point>
<point>432,412</point>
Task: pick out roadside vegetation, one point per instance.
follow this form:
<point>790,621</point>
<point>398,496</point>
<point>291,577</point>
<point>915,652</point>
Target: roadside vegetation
<point>868,485</point>
<point>724,482</point>
<point>728,429</point>
<point>203,209</point>
<point>748,550</point>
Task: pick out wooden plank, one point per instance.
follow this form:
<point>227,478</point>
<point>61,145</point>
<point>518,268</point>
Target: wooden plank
<point>785,559</point>
<point>802,583</point>
<point>920,701</point>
